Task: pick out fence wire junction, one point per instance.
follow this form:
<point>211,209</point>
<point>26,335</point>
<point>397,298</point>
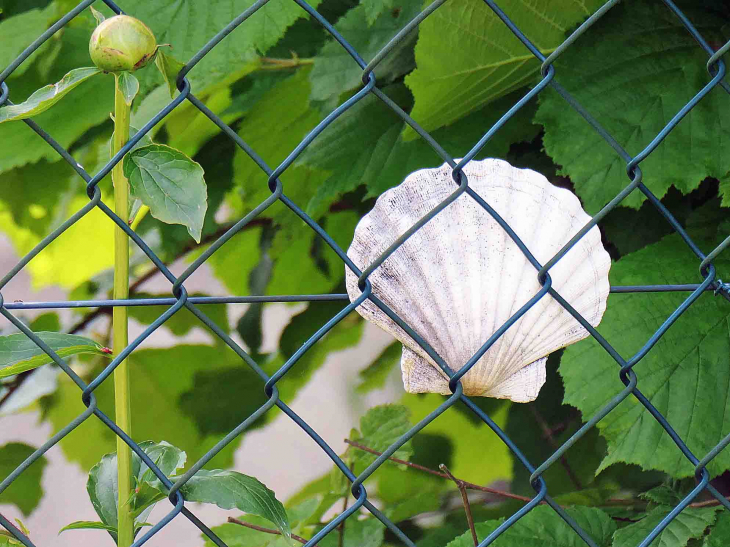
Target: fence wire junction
<point>628,377</point>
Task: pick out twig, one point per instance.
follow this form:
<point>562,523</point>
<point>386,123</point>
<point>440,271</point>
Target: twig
<point>341,527</point>
<point>548,435</point>
<point>708,503</point>
<point>468,485</point>
<point>465,499</point>
<point>232,520</point>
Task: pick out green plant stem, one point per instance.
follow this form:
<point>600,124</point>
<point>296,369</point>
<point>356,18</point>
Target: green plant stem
<point>139,217</point>
<point>122,403</point>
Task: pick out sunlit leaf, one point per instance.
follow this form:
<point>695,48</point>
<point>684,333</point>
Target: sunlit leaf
<point>46,97</point>
<point>18,353</point>
<point>233,490</point>
<point>170,184</point>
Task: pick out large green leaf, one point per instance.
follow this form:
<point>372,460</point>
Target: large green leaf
<point>468,436</point>
<point>720,532</point>
<point>380,427</point>
<point>274,141</point>
<point>188,24</point>
<point>170,184</point>
<point>365,146</point>
<point>467,57</point>
<point>233,490</point>
<point>686,376</point>
<point>690,523</point>
<point>18,353</point>
<point>102,482</point>
<point>336,72</point>
<point>88,106</point>
<point>646,40</point>
<point>368,532</point>
<point>543,527</point>
<point>25,492</point>
<point>525,428</point>
<point>235,535</point>
<point>35,194</point>
<point>46,97</point>
<point>180,381</point>
<point>19,32</point>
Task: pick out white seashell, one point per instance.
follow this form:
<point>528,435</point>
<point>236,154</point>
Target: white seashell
<point>460,277</point>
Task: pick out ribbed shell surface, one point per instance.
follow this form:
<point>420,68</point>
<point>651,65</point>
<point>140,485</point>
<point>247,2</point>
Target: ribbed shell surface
<point>460,277</point>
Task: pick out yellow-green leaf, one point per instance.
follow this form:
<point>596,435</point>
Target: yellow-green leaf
<point>18,353</point>
<point>47,96</point>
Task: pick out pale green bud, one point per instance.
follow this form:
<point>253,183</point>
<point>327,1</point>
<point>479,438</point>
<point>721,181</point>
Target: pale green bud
<point>122,43</point>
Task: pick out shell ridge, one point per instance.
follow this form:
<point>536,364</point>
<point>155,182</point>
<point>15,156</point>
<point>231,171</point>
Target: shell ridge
<point>507,369</point>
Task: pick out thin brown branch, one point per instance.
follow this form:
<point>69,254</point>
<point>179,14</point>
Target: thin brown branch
<point>468,485</point>
<point>548,435</point>
<point>471,486</point>
<point>232,520</point>
<point>708,503</point>
<point>341,527</point>
<point>464,498</point>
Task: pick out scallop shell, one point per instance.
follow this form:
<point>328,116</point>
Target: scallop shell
<point>460,277</point>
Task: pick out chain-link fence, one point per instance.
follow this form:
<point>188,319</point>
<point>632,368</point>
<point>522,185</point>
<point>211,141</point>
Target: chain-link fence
<point>626,374</point>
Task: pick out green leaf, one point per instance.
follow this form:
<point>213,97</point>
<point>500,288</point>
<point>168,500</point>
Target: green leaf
<point>18,32</point>
<point>543,527</point>
<point>365,146</point>
<point>97,15</point>
<point>686,376</point>
<point>335,71</point>
<point>25,492</point>
<point>183,321</point>
<point>46,322</point>
<point>178,379</point>
<point>467,57</point>
<point>600,73</point>
<point>662,495</point>
<point>230,489</point>
<point>358,533</point>
<point>102,489</point>
<point>690,523</point>
<point>102,482</point>
<point>377,372</point>
<point>129,86</point>
<point>233,264</point>
<point>720,532</point>
<point>46,97</point>
<point>302,326</point>
<point>235,535</point>
<point>170,184</point>
<point>380,427</point>
<point>188,25</point>
<point>88,106</point>
<point>373,8</point>
<point>169,67</point>
<point>273,142</point>
<point>19,353</point>
<point>89,525</point>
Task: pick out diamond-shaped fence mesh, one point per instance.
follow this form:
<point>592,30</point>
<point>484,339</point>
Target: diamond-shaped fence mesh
<point>276,178</point>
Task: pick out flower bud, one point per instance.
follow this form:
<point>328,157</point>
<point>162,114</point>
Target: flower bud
<point>122,43</point>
